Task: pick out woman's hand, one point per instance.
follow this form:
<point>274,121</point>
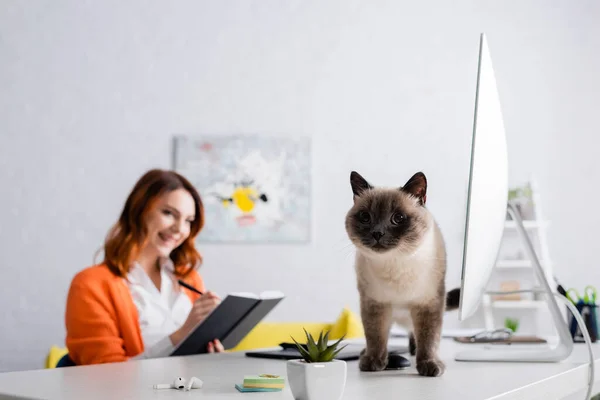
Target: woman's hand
<point>200,310</point>
<point>215,346</point>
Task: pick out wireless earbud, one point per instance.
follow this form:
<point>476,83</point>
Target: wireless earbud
<point>180,383</point>
<point>162,386</point>
<point>193,383</point>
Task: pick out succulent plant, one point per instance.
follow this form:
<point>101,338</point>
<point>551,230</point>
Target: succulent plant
<point>318,351</point>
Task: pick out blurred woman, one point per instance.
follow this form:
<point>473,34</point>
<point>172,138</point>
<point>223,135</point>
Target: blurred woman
<point>131,306</point>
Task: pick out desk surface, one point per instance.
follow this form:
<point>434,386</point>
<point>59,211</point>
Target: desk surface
<point>462,380</point>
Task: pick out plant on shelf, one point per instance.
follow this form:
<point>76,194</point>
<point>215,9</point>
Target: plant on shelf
<point>512,324</point>
<point>319,351</point>
<point>520,192</point>
<point>318,375</point>
<point>522,196</point>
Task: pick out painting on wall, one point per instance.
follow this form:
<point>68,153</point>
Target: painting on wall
<point>254,188</point>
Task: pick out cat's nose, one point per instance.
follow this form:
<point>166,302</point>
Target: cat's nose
<point>377,235</point>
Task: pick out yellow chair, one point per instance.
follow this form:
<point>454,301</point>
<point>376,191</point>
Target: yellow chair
<point>54,355</point>
<point>270,334</point>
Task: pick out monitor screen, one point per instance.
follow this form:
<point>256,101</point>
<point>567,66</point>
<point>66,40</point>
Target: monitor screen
<point>487,194</point>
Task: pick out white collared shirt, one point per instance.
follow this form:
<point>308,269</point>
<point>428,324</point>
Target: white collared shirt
<point>160,312</point>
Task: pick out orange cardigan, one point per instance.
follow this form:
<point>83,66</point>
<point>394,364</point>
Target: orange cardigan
<point>101,318</point>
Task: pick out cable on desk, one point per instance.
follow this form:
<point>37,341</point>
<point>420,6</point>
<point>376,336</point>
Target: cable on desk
<point>580,322</point>
<point>588,341</point>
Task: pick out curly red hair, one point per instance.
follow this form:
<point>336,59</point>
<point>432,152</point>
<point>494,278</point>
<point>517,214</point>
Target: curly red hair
<point>128,236</point>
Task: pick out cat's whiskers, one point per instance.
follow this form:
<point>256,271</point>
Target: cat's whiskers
<point>346,248</point>
<point>427,258</point>
<point>349,251</point>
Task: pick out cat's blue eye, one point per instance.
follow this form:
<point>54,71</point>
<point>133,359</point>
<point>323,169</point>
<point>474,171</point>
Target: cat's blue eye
<point>364,217</point>
<point>398,218</point>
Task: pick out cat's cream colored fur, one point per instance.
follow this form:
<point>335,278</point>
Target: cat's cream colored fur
<point>401,279</point>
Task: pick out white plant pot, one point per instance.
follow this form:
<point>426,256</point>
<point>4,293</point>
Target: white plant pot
<point>316,381</point>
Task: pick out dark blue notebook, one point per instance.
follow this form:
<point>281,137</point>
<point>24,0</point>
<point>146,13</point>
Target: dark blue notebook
<point>229,322</point>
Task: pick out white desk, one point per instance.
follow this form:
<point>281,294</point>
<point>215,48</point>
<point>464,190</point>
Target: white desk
<point>462,380</point>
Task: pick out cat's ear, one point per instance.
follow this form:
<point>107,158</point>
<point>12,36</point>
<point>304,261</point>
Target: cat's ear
<point>417,186</point>
<point>358,183</point>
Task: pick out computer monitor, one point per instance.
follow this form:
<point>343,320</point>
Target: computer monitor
<point>487,206</point>
<point>487,193</point>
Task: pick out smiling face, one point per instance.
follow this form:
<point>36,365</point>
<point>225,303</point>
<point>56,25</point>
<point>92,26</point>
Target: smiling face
<point>386,219</point>
<point>168,223</point>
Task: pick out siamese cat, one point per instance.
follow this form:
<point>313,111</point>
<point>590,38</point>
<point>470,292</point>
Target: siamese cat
<point>400,269</point>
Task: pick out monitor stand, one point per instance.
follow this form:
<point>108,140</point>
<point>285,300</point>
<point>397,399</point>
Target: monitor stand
<point>517,353</point>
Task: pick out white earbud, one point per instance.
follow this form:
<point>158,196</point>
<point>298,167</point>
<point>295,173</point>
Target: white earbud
<point>194,383</point>
<point>162,386</point>
<point>178,383</point>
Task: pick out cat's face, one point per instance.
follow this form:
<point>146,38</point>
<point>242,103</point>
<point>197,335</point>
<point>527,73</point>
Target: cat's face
<point>387,219</point>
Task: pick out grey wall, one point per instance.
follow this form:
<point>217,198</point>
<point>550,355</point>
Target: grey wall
<point>91,92</point>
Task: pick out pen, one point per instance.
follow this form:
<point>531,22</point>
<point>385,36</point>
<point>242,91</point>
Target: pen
<point>193,289</point>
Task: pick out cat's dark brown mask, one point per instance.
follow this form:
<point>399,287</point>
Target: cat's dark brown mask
<point>384,219</point>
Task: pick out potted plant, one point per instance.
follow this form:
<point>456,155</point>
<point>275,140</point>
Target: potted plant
<point>512,324</point>
<point>318,375</point>
<point>522,196</point>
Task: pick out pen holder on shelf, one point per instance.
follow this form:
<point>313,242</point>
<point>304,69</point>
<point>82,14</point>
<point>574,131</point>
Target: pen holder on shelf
<point>589,313</point>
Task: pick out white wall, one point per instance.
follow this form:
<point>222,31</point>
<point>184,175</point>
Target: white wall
<point>91,92</point>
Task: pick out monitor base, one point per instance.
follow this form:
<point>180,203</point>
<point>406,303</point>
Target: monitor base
<point>516,353</point>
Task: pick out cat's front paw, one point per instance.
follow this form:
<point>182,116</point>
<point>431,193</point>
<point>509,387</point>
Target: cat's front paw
<point>432,367</point>
<point>371,362</point>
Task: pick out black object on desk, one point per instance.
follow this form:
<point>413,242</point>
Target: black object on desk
<point>499,336</point>
<point>396,361</point>
<point>288,351</point>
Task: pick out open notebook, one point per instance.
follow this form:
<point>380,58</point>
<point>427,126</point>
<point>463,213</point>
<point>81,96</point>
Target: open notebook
<point>229,322</point>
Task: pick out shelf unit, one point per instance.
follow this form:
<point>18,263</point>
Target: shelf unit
<point>509,264</point>
<point>528,224</point>
<point>518,268</point>
<point>518,304</point>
